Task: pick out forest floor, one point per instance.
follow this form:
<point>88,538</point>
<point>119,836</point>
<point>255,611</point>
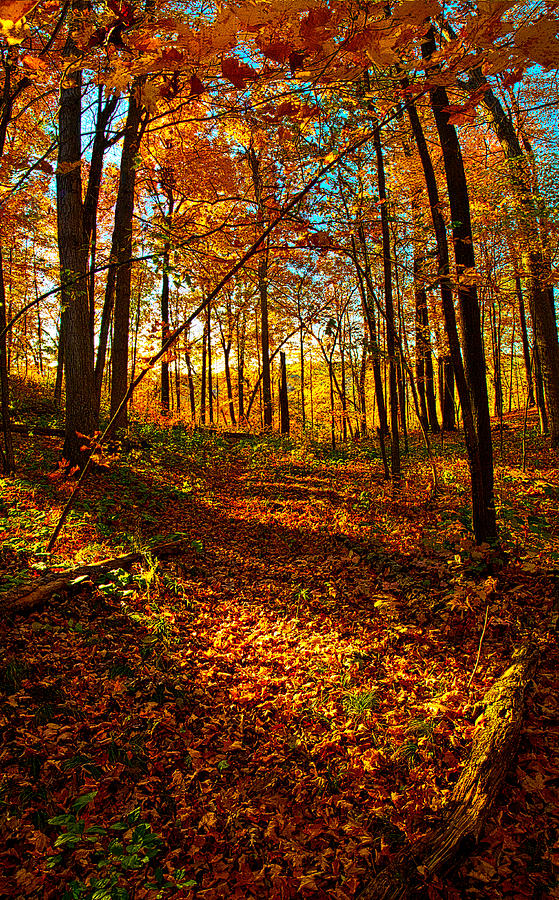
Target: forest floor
<point>274,713</point>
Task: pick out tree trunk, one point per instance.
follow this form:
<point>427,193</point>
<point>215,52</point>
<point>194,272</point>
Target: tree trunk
<point>495,324</point>
<point>525,341</point>
<point>191,394</point>
<point>284,404</point>
<point>301,356</point>
<point>165,385</point>
<point>483,511</point>
<point>448,412</point>
<point>121,252</point>
<point>361,392</point>
<point>540,395</point>
<point>389,308</point>
<point>8,459</point>
<point>209,360</point>
<point>78,358</point>
<point>226,355</point>
<point>265,339</point>
<point>512,355</point>
<point>402,400</point>
<point>241,337</point>
<point>424,354</point>
<point>167,184</point>
<point>59,380</point>
<point>255,164</point>
<point>343,386</point>
<point>203,384</point>
<point>367,298</point>
<point>485,524</point>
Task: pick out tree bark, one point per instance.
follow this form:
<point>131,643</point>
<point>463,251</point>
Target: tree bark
<point>203,383</point>
<point>367,298</point>
<point>525,341</point>
<point>191,394</point>
<point>389,309</point>
<point>485,524</point>
<point>284,403</point>
<point>255,164</point>
<point>448,412</point>
<point>241,337</point>
<point>424,354</point>
<point>209,361</point>
<point>121,253</point>
<point>73,252</point>
<point>483,512</point>
<point>8,459</point>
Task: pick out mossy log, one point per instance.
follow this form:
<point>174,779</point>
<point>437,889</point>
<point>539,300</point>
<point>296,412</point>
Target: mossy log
<point>43,430</point>
<point>494,748</point>
<point>38,592</point>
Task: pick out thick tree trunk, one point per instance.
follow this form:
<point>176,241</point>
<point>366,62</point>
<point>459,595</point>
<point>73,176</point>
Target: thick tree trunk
<point>73,251</point>
<point>485,525</point>
<point>483,512</point>
<point>540,395</point>
<point>8,459</point>
<point>121,252</point>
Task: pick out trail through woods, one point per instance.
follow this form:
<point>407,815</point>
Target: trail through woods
<point>280,710</point>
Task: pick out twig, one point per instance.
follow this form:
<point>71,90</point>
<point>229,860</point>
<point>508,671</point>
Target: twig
<point>479,648</point>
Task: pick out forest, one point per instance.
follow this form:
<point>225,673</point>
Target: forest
<point>279,372</point>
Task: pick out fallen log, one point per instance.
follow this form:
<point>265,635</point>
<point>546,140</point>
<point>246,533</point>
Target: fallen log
<point>44,430</point>
<point>493,751</point>
<point>38,592</point>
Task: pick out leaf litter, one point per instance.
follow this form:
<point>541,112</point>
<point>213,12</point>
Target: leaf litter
<point>277,712</point>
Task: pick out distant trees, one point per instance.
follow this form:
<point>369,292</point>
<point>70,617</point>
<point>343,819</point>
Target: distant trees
<point>346,315</point>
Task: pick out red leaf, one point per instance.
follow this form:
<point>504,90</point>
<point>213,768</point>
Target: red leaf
<point>279,51</point>
<point>296,60</point>
<point>196,87</point>
<point>513,77</point>
<point>236,72</point>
